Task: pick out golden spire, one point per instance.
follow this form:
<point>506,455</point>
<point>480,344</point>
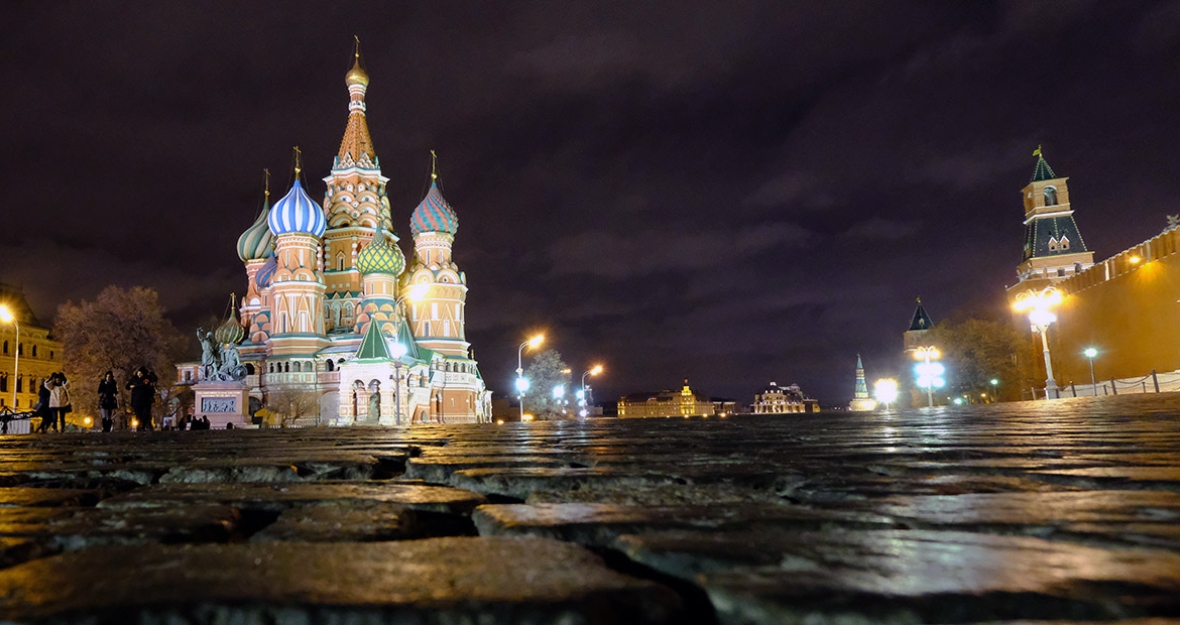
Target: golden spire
<point>433,166</point>
<point>298,167</point>
<point>266,183</point>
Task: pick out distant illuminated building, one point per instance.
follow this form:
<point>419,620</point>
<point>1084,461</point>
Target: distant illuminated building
<point>39,353</point>
<point>682,403</point>
<point>777,399</point>
<point>861,401</point>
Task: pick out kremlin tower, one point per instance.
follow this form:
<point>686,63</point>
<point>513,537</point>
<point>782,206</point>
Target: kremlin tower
<point>319,277</point>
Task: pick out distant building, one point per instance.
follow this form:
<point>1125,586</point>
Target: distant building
<point>724,406</point>
<point>39,353</point>
<point>777,399</point>
<point>861,401</point>
<point>682,403</point>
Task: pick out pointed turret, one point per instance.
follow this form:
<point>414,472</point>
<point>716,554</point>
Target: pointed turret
<point>356,149</point>
<point>921,320</point>
<point>373,345</point>
<point>1042,171</point>
<point>860,399</point>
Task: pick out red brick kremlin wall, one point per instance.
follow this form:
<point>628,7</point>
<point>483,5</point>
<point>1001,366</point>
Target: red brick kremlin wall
<point>1128,311</point>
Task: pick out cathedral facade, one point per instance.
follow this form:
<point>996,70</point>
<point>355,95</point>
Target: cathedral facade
<point>334,309</point>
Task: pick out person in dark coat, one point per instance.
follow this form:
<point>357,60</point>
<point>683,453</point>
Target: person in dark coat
<point>43,405</point>
<point>143,394</point>
<point>108,400</point>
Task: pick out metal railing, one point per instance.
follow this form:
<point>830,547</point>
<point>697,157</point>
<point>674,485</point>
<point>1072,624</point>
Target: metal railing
<point>1151,383</point>
<point>16,422</point>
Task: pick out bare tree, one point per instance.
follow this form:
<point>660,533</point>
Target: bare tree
<point>121,330</point>
<point>291,403</point>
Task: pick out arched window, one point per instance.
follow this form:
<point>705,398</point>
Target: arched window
<point>5,347</point>
<point>287,367</point>
<point>249,369</point>
<point>340,261</point>
<point>20,349</point>
<point>4,383</point>
<point>331,366</point>
<point>34,351</point>
<point>1050,196</point>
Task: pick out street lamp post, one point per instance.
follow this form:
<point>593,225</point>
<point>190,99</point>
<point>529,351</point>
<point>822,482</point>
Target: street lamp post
<point>1037,304</point>
<point>521,383</point>
<point>929,374</point>
<point>7,317</point>
<point>1090,354</point>
<point>597,369</point>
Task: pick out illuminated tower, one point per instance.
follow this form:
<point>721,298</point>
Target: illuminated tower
<point>438,314</point>
<point>860,397</point>
<point>380,263</point>
<point>297,326</point>
<point>355,204</point>
<point>254,247</point>
<point>1053,246</point>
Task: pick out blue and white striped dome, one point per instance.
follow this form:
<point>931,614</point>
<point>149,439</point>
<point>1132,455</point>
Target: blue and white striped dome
<point>297,213</point>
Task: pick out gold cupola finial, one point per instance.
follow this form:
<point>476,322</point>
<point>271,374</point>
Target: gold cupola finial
<point>266,183</point>
<point>298,165</point>
<point>433,166</point>
<point>356,75</point>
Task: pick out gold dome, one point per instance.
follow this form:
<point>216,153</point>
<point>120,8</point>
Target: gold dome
<point>356,75</point>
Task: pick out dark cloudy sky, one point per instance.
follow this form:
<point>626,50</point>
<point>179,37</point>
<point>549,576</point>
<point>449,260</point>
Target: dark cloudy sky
<point>735,192</point>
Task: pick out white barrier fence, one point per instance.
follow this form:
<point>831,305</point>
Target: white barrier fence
<point>1151,383</point>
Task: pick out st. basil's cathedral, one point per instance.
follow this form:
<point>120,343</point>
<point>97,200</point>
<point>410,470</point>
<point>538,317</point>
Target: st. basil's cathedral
<point>332,308</point>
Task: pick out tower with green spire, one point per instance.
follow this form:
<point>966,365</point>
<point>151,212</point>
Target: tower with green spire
<point>861,401</point>
<point>1053,245</point>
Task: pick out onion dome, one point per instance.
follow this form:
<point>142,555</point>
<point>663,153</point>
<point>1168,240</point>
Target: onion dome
<point>356,75</point>
<point>254,243</point>
<point>297,213</point>
<point>434,214</point>
<point>266,273</point>
<point>381,256</point>
<point>231,331</point>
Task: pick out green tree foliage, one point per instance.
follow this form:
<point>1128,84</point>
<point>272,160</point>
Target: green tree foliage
<point>121,330</point>
<point>545,372</point>
<point>976,351</point>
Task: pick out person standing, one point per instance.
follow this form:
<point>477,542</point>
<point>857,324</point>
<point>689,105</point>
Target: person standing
<point>143,394</point>
<point>108,400</point>
<point>59,401</point>
<point>42,408</point>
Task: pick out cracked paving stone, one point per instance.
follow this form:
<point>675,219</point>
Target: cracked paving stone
<point>910,576</point>
<point>439,580</point>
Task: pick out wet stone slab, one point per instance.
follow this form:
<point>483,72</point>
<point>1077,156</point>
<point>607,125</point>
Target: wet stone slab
<point>328,522</point>
<point>279,497</point>
<point>911,576</point>
<point>440,580</point>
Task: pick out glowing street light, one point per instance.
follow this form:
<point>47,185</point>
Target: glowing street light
<point>929,373</point>
<point>1090,354</point>
<point>584,396</point>
<point>1038,304</point>
<point>522,384</point>
<point>7,317</point>
<point>885,391</point>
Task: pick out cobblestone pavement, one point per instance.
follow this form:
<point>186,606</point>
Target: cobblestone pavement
<point>1065,511</point>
